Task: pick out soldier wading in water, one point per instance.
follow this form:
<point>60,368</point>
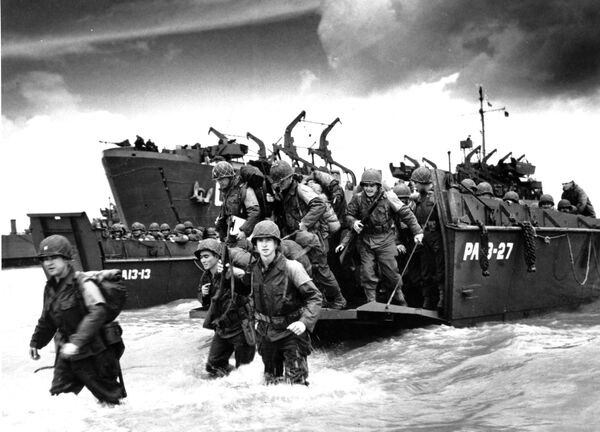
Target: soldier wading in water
<point>287,304</point>
<point>229,312</point>
<point>75,311</point>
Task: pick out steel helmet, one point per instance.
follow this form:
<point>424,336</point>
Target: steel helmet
<point>179,228</point>
<point>137,226</point>
<point>222,169</point>
<point>188,224</point>
<point>116,228</point>
<point>165,227</point>
<point>511,196</point>
<point>402,190</point>
<point>484,188</point>
<point>266,229</point>
<point>563,204</point>
<point>280,170</point>
<point>371,175</point>
<point>469,184</point>
<point>153,227</point>
<point>209,244</point>
<point>210,232</point>
<point>421,175</point>
<point>55,245</point>
<point>546,199</point>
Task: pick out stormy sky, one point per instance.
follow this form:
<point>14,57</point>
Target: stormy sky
<point>402,76</point>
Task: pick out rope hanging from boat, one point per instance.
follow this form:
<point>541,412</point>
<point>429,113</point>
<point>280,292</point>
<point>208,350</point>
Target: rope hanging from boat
<point>484,248</point>
<point>529,251</point>
<point>589,254</point>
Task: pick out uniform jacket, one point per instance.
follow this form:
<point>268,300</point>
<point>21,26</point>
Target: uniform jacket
<point>381,219</point>
<point>66,314</point>
<point>425,207</point>
<point>301,204</point>
<point>224,317</point>
<point>579,199</point>
<point>284,289</point>
<point>239,200</point>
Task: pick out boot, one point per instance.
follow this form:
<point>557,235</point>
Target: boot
<point>371,295</point>
<point>399,298</point>
<point>429,303</point>
<point>339,302</point>
<point>440,303</point>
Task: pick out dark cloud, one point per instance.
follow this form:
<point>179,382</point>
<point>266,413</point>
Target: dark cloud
<point>534,48</point>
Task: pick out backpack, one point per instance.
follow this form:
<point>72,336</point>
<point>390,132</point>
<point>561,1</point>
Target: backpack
<point>111,286</point>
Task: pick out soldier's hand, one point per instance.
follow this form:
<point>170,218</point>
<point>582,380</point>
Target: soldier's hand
<point>219,267</point>
<point>68,350</point>
<point>33,353</point>
<point>205,289</point>
<point>297,327</point>
<point>419,239</point>
<point>401,249</point>
<point>358,226</point>
<point>236,271</point>
<point>302,227</point>
<point>269,197</point>
<point>339,248</point>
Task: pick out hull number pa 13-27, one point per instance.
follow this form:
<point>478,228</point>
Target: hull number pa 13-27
<point>501,251</point>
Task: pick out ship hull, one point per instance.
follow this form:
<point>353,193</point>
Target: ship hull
<point>157,187</point>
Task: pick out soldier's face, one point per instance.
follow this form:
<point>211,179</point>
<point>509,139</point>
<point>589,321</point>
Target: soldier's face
<point>136,233</point>
<point>55,266</point>
<point>266,247</point>
<point>370,189</point>
<point>546,206</point>
<point>423,187</point>
<point>224,182</point>
<point>208,260</point>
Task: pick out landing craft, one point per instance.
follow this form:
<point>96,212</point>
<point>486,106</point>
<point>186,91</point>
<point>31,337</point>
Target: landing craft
<point>502,261</point>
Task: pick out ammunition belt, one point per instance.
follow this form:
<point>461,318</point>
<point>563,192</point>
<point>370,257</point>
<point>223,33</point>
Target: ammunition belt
<point>279,322</point>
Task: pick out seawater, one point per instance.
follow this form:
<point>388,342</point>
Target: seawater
<point>539,374</point>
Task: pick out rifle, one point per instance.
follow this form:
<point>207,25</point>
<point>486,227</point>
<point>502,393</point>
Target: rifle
<point>353,234</point>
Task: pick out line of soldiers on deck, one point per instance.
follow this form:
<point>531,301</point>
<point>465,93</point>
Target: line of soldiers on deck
<point>181,234</point>
<point>573,200</point>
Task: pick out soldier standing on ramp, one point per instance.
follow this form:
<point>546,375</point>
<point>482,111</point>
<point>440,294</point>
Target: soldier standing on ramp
<point>302,213</point>
<point>371,216</point>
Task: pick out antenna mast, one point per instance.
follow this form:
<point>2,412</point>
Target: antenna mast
<point>481,112</point>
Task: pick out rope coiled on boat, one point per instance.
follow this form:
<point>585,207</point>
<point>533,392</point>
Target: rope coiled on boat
<point>484,249</point>
<point>530,249</point>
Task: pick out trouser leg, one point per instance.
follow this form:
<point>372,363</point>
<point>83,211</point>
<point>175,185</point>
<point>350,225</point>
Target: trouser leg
<point>295,351</point>
<point>388,270</point>
<point>272,359</point>
<point>100,374</point>
<point>326,281</point>
<point>368,275</point>
<point>64,379</point>
<point>244,353</point>
<point>218,356</point>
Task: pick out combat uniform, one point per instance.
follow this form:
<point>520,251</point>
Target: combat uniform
<point>230,315</point>
<point>78,316</point>
<point>303,205</point>
<point>431,255</point>
<point>578,198</point>
<point>377,241</point>
<point>284,293</point>
<point>238,200</point>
